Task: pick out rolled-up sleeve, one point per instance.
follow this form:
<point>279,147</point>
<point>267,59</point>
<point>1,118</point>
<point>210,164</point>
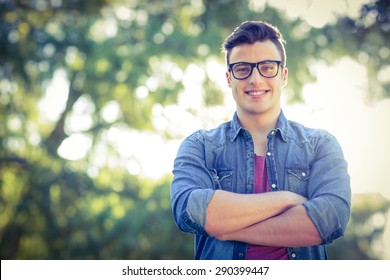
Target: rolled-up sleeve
<point>329,190</point>
<point>192,186</point>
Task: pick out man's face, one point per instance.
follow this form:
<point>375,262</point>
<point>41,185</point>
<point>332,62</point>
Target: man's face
<point>257,95</point>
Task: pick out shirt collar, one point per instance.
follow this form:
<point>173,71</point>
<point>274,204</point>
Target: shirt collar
<point>281,126</point>
<point>235,127</point>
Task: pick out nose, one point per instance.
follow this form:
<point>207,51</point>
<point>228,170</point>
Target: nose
<point>256,78</point>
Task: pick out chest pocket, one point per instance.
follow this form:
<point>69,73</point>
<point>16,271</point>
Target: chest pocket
<point>298,178</point>
<point>222,178</point>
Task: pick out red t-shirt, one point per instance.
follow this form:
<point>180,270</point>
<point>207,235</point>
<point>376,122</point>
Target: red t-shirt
<point>256,252</point>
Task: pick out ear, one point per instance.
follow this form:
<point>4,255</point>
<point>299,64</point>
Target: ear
<point>228,79</point>
<point>284,76</point>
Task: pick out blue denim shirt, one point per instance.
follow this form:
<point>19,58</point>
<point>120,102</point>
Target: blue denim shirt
<point>306,161</point>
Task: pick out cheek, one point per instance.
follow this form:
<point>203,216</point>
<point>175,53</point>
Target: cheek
<point>236,89</point>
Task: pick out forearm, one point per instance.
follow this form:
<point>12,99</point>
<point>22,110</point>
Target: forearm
<point>229,212</point>
<point>292,228</point>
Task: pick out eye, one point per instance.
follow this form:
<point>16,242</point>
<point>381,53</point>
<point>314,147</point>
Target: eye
<point>268,67</point>
<point>241,68</point>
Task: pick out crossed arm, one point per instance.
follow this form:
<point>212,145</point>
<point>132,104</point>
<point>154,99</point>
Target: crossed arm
<point>271,219</point>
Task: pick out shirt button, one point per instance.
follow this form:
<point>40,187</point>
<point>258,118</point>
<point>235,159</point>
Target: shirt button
<point>273,186</point>
<point>249,187</point>
<point>241,254</point>
<point>268,154</point>
<point>293,255</point>
<point>303,174</point>
<point>273,132</point>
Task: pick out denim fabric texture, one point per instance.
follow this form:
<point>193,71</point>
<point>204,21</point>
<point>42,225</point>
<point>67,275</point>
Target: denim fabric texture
<point>306,161</point>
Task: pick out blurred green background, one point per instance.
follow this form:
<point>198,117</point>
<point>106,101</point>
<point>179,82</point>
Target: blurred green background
<point>87,88</point>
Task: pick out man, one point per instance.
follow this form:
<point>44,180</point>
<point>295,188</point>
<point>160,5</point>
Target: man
<point>260,186</point>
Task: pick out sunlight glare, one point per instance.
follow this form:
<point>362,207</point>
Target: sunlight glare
<point>111,112</point>
<point>141,92</point>
<point>75,147</point>
<point>192,97</point>
<point>80,118</point>
<point>145,154</point>
<point>53,102</point>
<point>317,13</point>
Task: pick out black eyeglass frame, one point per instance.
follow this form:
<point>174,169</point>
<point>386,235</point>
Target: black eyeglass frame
<point>253,65</point>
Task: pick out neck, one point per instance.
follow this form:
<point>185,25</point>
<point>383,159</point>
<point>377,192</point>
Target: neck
<point>259,123</point>
<point>259,126</point>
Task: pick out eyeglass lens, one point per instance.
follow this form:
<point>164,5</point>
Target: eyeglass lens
<point>244,70</point>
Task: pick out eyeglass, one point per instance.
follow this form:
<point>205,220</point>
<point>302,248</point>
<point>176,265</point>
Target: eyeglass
<point>266,68</point>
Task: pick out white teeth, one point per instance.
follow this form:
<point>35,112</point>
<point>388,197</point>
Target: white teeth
<point>255,93</point>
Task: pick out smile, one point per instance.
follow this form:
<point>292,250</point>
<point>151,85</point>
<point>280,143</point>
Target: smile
<point>257,93</point>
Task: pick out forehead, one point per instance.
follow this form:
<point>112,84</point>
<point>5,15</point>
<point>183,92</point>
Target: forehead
<point>255,52</point>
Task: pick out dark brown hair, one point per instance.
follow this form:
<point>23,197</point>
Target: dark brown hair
<point>250,32</point>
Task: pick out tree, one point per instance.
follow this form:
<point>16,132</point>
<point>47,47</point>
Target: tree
<point>364,235</point>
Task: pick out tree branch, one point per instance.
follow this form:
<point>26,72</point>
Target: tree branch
<point>54,140</point>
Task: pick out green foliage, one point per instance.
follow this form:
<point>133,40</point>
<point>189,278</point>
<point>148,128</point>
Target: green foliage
<point>364,235</point>
<point>367,39</point>
<point>66,215</point>
<point>126,54</point>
